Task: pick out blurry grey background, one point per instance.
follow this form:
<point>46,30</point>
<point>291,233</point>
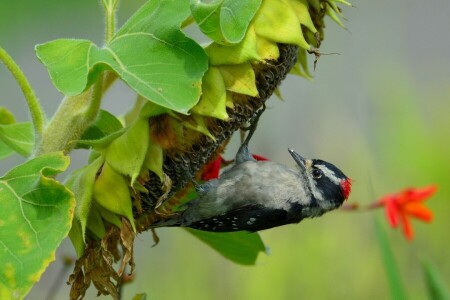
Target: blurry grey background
<point>379,110</point>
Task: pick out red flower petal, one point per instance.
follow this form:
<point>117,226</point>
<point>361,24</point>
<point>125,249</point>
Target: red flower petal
<point>419,211</point>
<point>417,194</point>
<point>407,228</point>
<point>406,204</point>
<point>392,213</point>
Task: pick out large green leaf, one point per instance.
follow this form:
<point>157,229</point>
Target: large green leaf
<point>35,217</point>
<point>240,247</point>
<point>150,53</point>
<point>18,137</point>
<point>224,21</point>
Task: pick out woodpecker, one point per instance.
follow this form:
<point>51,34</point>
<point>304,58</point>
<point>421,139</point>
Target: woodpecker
<point>256,195</point>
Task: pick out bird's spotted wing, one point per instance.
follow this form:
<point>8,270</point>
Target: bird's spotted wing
<point>249,218</point>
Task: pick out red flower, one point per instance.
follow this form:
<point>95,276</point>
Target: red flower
<point>212,170</point>
<point>407,204</point>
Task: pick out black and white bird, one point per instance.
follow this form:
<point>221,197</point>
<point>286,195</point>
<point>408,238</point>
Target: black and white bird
<point>255,195</point>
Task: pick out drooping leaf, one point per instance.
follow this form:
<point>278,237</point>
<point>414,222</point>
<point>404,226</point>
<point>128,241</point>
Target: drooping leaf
<point>95,223</point>
<point>127,153</point>
<point>154,159</point>
<point>277,22</point>
<point>301,10</point>
<point>150,53</point>
<point>436,286</point>
<point>240,247</point>
<point>213,100</point>
<point>224,21</point>
<point>267,50</point>
<point>245,51</point>
<point>81,183</point>
<point>77,237</point>
<point>112,193</point>
<point>239,79</point>
<point>35,217</point>
<point>18,137</point>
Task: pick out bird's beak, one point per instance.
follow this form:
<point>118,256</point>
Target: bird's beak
<point>300,160</point>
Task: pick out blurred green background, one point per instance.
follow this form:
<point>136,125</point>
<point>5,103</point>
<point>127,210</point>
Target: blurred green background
<point>380,110</point>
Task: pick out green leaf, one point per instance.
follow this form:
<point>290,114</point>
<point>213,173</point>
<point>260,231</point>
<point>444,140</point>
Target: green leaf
<point>154,159</point>
<point>112,193</point>
<point>77,237</point>
<point>214,98</point>
<point>240,247</point>
<point>390,265</point>
<point>5,151</point>
<point>101,143</point>
<point>150,53</point>
<point>68,62</point>
<point>127,153</point>
<point>224,21</point>
<point>81,183</point>
<point>95,223</point>
<point>236,54</point>
<point>150,50</point>
<point>18,137</point>
<point>437,288</point>
<point>239,79</point>
<point>35,217</point>
<point>6,117</point>
<point>105,124</point>
<point>277,21</point>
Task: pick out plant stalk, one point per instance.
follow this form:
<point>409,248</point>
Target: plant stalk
<point>35,108</point>
<point>73,117</point>
<point>110,7</point>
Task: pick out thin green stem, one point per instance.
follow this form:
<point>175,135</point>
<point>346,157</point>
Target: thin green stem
<point>36,111</point>
<point>110,7</point>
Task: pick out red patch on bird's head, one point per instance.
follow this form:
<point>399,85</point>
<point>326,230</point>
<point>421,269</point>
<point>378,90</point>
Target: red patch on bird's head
<point>346,187</point>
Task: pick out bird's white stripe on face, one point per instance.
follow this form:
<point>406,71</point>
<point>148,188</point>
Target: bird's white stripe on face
<point>314,190</point>
<point>329,173</point>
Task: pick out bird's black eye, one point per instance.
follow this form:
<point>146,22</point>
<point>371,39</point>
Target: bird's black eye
<point>316,173</point>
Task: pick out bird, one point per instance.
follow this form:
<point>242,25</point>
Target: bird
<point>257,195</point>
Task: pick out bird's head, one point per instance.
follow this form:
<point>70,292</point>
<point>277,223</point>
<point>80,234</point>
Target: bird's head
<point>328,185</point>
